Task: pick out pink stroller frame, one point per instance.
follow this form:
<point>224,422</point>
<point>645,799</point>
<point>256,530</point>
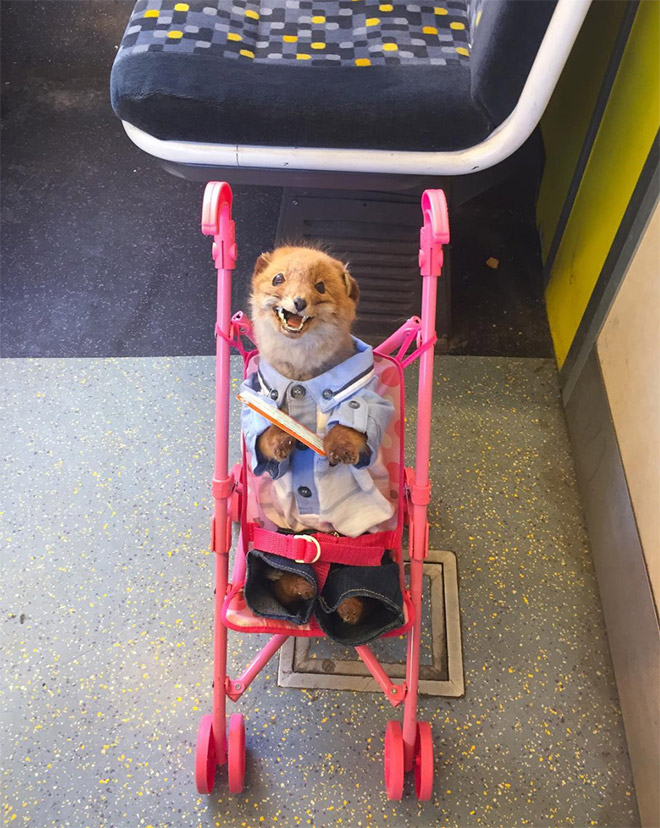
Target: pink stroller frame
<point>408,747</point>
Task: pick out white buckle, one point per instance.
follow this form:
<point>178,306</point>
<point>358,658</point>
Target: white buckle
<point>316,544</point>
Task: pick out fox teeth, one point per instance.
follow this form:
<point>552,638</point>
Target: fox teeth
<point>280,313</point>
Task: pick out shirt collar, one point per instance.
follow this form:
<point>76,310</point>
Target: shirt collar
<point>327,389</point>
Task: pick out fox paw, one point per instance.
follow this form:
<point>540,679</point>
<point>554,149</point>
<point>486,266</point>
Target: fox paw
<point>275,444</point>
<point>354,610</point>
<point>290,588</point>
<point>345,445</point>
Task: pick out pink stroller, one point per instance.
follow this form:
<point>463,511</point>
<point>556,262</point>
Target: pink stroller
<point>236,495</point>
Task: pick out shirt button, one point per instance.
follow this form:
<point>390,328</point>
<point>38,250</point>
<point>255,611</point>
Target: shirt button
<point>354,404</point>
<point>327,394</point>
<point>298,392</point>
<point>273,395</point>
<point>303,491</point>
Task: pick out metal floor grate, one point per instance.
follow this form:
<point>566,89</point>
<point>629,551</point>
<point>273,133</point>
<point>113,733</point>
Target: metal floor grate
<point>319,663</point>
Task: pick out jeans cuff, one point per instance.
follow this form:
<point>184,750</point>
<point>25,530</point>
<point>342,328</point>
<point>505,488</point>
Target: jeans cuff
<point>379,585</point>
<point>259,588</point>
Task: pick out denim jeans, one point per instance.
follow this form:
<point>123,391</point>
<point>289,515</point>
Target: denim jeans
<point>379,584</point>
<point>258,590</point>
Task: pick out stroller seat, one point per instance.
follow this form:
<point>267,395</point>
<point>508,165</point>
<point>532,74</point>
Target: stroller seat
<point>235,613</point>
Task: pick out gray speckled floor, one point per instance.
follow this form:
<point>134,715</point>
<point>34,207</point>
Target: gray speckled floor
<point>106,618</point>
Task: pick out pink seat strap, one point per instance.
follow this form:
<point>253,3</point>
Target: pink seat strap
<point>320,550</point>
<point>366,550</point>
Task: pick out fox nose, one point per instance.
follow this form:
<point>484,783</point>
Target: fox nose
<point>300,304</point>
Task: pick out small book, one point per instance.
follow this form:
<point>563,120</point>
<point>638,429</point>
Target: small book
<point>282,420</point>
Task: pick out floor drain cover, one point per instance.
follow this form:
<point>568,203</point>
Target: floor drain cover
<point>320,663</point>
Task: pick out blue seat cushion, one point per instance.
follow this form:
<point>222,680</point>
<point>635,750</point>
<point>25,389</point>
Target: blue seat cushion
<point>344,73</point>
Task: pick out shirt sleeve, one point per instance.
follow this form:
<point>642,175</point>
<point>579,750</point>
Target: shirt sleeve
<point>252,425</point>
<point>366,412</point>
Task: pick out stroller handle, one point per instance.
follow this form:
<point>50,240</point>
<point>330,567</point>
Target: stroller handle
<point>217,222</point>
<point>434,233</point>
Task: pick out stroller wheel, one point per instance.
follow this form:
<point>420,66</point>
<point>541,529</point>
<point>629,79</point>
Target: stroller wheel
<point>424,762</point>
<point>205,763</point>
<point>393,760</point>
<point>236,753</point>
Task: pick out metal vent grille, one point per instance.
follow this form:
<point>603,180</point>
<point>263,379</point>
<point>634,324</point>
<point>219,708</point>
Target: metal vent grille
<point>378,235</point>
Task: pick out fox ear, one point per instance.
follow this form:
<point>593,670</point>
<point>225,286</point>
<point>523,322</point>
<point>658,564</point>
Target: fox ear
<point>262,262</point>
<point>351,286</point>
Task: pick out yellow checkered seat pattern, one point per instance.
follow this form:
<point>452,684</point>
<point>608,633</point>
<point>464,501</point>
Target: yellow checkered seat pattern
<point>344,73</point>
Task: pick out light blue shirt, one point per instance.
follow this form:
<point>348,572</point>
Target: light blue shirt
<point>307,492</point>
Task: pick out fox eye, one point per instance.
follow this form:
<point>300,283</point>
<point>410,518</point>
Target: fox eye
<point>278,278</point>
<point>320,286</point>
